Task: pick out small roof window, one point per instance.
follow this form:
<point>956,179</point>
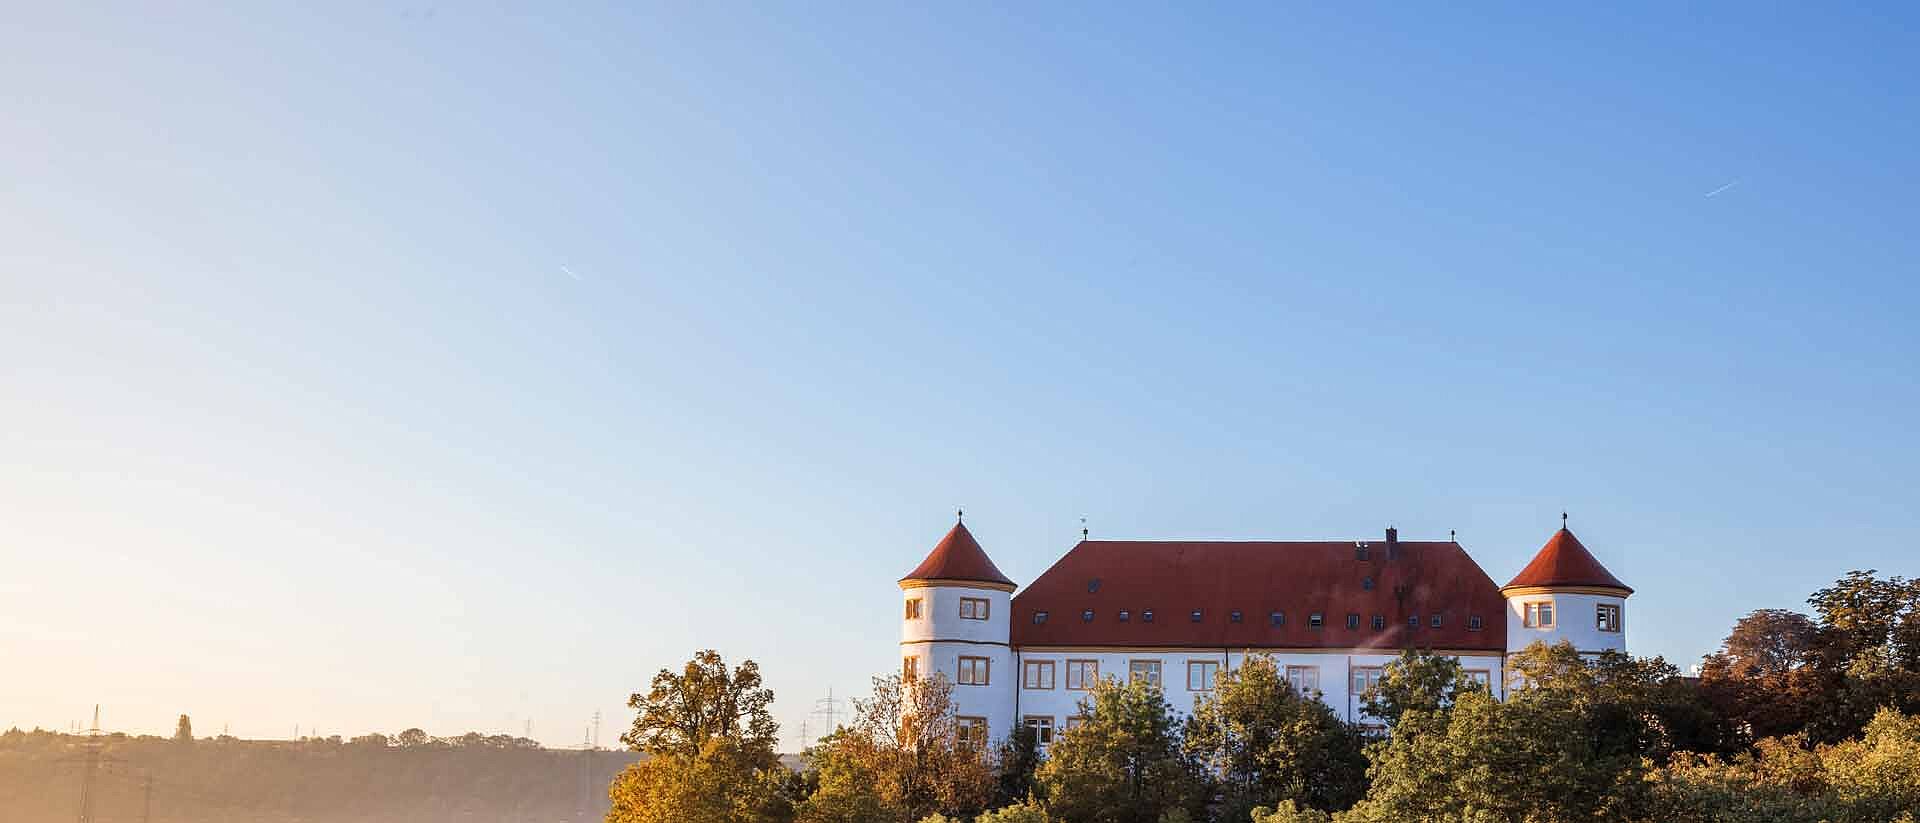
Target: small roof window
<point>1086,616</point>
<point>1279,618</point>
<point>1473,623</point>
<point>1146,616</point>
<point>1379,622</point>
<point>1125,615</point>
<point>1039,618</point>
<point>1366,584</point>
<point>1196,615</point>
<point>1093,585</point>
<point>1413,621</point>
<point>1353,621</point>
<point>1235,616</point>
<point>1316,620</point>
<point>1436,620</point>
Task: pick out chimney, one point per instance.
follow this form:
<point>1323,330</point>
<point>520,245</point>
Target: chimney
<point>1393,543</point>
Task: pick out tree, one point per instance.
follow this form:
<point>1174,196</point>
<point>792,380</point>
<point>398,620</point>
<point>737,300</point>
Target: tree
<point>183,730</point>
<point>1571,744</point>
<point>1287,812</point>
<point>1875,777</point>
<point>1770,643</point>
<point>413,739</point>
<point>1123,764</point>
<point>710,738</point>
<point>725,782</point>
<point>1023,812</point>
<point>702,702</point>
<point>1270,745</point>
<point>1416,680</point>
<point>1014,766</point>
<point>902,759</point>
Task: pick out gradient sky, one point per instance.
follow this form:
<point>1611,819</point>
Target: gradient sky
<point>380,366</point>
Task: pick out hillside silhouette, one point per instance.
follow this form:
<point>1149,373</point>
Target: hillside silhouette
<point>410,777</point>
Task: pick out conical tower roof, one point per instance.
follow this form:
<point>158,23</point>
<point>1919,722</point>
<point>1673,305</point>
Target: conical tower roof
<point>958,558</point>
<point>1564,563</point>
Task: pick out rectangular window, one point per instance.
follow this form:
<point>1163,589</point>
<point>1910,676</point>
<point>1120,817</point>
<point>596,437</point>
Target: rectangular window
<point>1234,616</point>
<point>1379,622</point>
<point>1413,621</point>
<point>1278,618</point>
<point>1316,620</point>
<point>974,671</point>
<point>1436,621</point>
<point>1607,617</point>
<point>1082,674</point>
<point>1473,623</point>
<point>1196,615</point>
<point>1148,670</point>
<point>1364,678</point>
<point>1202,674</point>
<point>910,668</point>
<point>972,733</point>
<point>1539,615</point>
<point>1481,677</point>
<point>1353,621</point>
<point>913,609</point>
<point>1304,679</point>
<point>1037,674</point>
<point>973,608</point>
<point>1042,727</point>
<point>1076,721</point>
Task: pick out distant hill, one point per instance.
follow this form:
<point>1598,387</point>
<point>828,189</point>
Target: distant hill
<point>468,779</point>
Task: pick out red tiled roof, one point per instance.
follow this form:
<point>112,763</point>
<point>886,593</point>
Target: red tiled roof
<point>1564,562</point>
<point>958,557</point>
<point>1173,578</point>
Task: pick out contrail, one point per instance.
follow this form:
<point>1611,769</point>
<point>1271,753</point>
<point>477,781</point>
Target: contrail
<point>1723,188</point>
<point>563,266</point>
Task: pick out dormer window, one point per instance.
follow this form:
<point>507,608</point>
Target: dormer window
<point>1278,618</point>
<point>1125,615</point>
<point>1366,584</point>
<point>1196,615</point>
<point>1473,623</point>
<point>1093,585</point>
<point>1379,622</point>
<point>1086,616</point>
<point>1146,616</point>
<point>1361,551</point>
<point>1234,616</point>
<point>1436,620</point>
<point>1353,621</point>
<point>1413,621</point>
<point>1039,618</point>
<point>1316,620</point>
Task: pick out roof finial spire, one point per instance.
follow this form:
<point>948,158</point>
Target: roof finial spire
<point>1083,527</point>
<point>1563,520</point>
<point>1453,536</point>
<point>960,515</point>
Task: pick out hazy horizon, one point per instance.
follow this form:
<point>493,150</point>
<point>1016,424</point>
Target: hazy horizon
<point>368,368</point>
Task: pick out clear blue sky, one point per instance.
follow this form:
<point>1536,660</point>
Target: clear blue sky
<point>444,366</point>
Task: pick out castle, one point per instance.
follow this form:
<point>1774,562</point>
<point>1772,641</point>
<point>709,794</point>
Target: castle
<point>1180,613</point>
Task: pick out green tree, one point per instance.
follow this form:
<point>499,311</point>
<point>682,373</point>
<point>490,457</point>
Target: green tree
<point>1268,744</point>
<point>727,781</point>
<point>1416,680</point>
<point>1027,811</point>
<point>903,758</point>
<point>183,730</point>
<point>1014,765</point>
<point>701,702</point>
<point>1875,777</point>
<point>1123,764</point>
<point>1287,812</point>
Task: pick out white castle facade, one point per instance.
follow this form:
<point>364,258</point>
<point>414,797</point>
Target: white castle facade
<point>1181,613</point>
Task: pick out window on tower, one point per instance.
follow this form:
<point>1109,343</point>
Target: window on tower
<point>1607,617</point>
<point>974,608</point>
<point>913,609</point>
<point>974,671</point>
<point>972,733</point>
<point>910,669</point>
<point>1538,615</point>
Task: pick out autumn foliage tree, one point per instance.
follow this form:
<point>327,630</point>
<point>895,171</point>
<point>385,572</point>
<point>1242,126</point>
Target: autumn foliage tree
<point>1123,764</point>
<point>1266,744</point>
<point>903,758</point>
<point>709,737</point>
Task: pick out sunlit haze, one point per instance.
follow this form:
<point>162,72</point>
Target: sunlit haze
<point>367,367</point>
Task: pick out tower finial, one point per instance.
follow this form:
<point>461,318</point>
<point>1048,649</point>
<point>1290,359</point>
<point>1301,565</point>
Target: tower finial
<point>960,515</point>
<point>1083,527</point>
<point>1563,520</point>
<point>1453,536</point>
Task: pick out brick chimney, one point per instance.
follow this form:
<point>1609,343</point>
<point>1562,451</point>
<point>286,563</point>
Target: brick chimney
<point>1393,543</point>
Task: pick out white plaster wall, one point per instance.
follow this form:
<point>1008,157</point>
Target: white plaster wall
<point>1336,676</point>
<point>940,615</point>
<point>1574,619</point>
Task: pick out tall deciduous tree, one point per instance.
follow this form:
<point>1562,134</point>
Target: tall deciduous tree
<point>1124,764</point>
<point>701,702</point>
<point>1418,680</point>
<point>1270,745</point>
<point>902,758</point>
<point>183,730</point>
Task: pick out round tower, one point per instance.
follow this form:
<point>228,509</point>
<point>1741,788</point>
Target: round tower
<point>1565,594</point>
<point>954,622</point>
